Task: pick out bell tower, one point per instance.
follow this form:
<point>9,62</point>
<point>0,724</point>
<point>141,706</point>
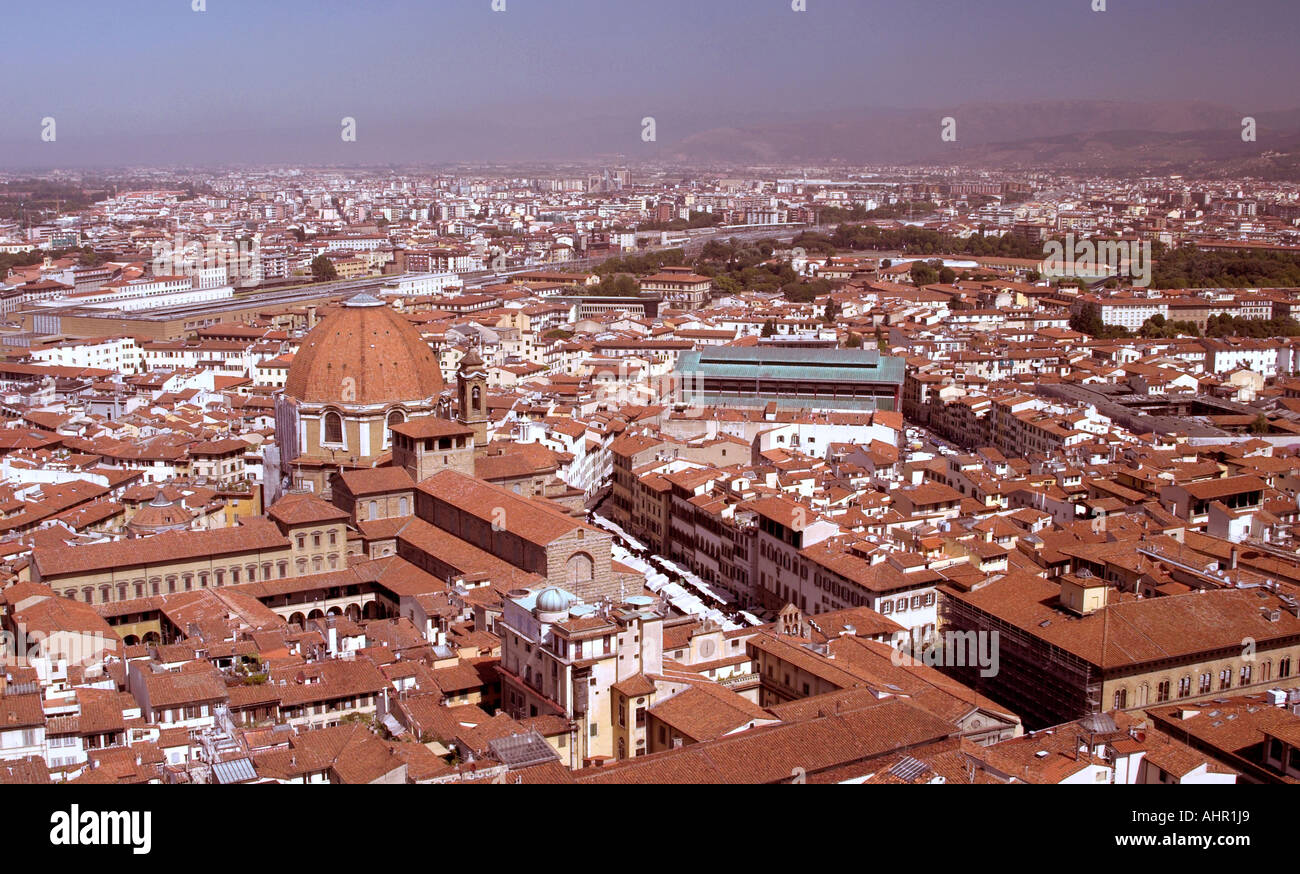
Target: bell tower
<point>471,393</point>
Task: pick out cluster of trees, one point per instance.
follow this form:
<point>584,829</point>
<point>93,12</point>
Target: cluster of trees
<point>640,265</point>
<point>919,241</point>
<point>322,269</point>
<point>735,252</point>
<point>1158,327</point>
<point>858,212</point>
<point>932,271</point>
<point>1224,325</point>
<point>86,256</point>
<point>33,198</point>
<point>806,290</point>
<point>814,243</point>
<point>617,285</point>
<point>1190,267</point>
<point>737,266</point>
<point>1087,320</point>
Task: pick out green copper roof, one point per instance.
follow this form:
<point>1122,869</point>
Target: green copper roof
<point>783,363</point>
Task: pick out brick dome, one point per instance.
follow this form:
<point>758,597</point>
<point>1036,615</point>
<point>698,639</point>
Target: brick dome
<point>362,355</point>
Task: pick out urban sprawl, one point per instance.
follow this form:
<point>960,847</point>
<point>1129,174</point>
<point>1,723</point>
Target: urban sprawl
<point>607,474</point>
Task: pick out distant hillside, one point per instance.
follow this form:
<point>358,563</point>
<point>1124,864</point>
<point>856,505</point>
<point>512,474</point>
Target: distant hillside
<point>1087,135</point>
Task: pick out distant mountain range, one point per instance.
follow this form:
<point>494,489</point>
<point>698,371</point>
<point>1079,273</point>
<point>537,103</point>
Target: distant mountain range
<point>1089,135</point>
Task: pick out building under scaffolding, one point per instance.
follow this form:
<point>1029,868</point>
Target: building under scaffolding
<point>1043,683</point>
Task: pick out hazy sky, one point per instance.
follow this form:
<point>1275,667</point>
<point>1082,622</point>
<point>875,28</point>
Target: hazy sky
<point>140,81</point>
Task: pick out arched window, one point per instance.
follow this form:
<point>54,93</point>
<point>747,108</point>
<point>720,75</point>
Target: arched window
<point>403,507</point>
<point>580,568</point>
<point>333,428</point>
<point>476,399</point>
<point>374,510</point>
<point>396,417</point>
<point>1121,699</point>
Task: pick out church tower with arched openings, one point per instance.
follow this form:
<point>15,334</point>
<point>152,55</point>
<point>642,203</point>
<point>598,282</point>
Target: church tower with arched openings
<point>471,386</point>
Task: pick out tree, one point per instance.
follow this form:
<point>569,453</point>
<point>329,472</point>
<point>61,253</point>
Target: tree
<point>1153,327</point>
<point>853,342</point>
<point>923,274</point>
<point>947,275</point>
<point>832,310</point>
<point>618,285</point>
<point>769,328</point>
<point>1087,320</point>
<point>322,269</point>
<point>806,291</point>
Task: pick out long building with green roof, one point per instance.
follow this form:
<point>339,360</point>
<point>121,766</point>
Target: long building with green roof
<point>825,379</point>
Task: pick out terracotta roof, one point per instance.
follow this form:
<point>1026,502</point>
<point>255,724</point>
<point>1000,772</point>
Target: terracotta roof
<point>772,754</point>
<point>382,354</point>
<point>530,520</point>
<point>251,535</point>
<point>303,509</point>
<point>377,480</point>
